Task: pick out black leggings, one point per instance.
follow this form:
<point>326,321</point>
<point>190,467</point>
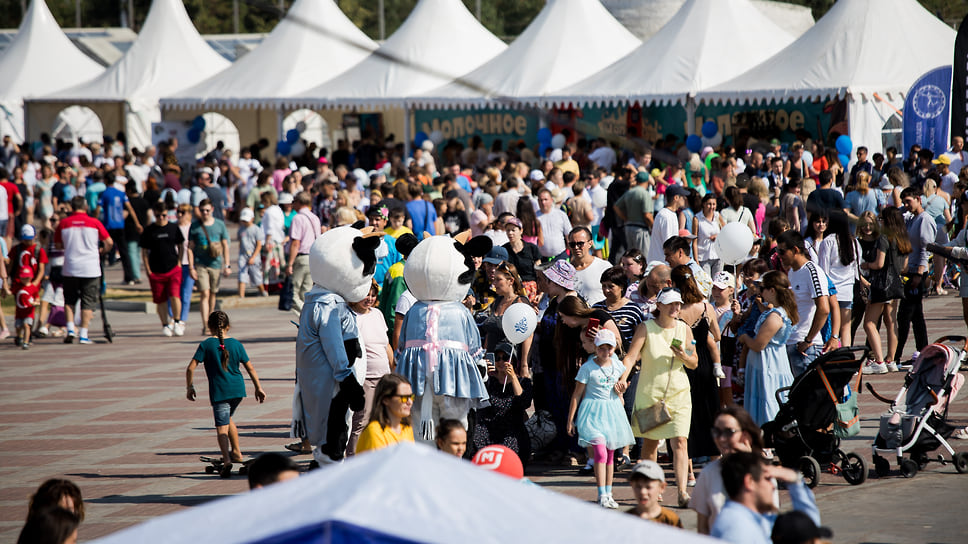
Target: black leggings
<point>910,312</point>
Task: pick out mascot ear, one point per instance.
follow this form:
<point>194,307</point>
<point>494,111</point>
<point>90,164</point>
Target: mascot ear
<point>365,249</point>
<point>359,225</point>
<point>477,246</point>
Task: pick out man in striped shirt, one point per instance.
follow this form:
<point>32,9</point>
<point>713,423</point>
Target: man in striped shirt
<point>78,235</point>
<point>809,285</point>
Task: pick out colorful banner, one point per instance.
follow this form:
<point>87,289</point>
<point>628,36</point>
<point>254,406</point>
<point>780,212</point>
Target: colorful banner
<point>959,87</point>
<point>489,124</point>
<point>927,110</point>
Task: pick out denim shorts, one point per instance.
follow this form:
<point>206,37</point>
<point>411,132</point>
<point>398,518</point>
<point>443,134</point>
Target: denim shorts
<point>845,304</point>
<point>224,411</point>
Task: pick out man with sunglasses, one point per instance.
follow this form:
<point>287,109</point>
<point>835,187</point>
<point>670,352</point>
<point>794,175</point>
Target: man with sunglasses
<point>589,267</point>
<point>209,242</point>
<point>555,225</point>
<point>809,284</point>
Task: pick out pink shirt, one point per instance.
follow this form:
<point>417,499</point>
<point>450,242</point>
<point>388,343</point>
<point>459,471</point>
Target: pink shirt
<point>278,176</point>
<point>305,228</point>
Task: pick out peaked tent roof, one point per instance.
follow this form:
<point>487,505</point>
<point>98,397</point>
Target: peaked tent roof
<point>403,493</point>
<point>415,59</point>
<point>312,44</point>
<point>674,64</point>
<point>567,41</point>
<point>40,43</point>
<point>844,54</point>
<point>168,56</point>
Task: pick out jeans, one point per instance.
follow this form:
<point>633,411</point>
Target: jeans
<point>134,258</point>
<point>188,284</point>
<point>910,312</point>
<point>799,361</point>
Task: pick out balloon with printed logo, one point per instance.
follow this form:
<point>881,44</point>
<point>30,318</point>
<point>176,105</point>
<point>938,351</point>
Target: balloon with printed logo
<point>198,123</point>
<point>283,148</point>
<point>844,160</point>
<point>694,143</point>
<point>194,135</point>
<point>734,242</point>
<point>292,136</point>
<point>301,127</point>
<point>419,138</point>
<point>558,141</point>
<point>519,322</point>
<point>710,128</point>
<point>500,459</point>
<point>544,136</point>
<point>844,144</point>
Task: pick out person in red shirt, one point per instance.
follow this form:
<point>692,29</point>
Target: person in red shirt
<point>27,263</point>
<point>14,203</point>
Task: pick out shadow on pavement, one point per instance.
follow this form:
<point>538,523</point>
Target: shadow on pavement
<point>155,499</point>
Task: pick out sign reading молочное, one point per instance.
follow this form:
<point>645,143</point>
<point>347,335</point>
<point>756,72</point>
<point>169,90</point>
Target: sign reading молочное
<point>489,124</point>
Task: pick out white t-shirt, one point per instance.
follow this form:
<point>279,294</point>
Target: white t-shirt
<point>555,227</point>
<point>589,281</point>
<point>596,193</point>
<point>843,276</point>
<point>958,161</point>
<point>666,226</point>
<point>407,300</point>
<point>604,156</point>
<point>808,283</point>
<point>373,329</point>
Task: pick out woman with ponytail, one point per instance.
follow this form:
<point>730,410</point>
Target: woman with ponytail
<point>767,366</point>
<point>222,356</point>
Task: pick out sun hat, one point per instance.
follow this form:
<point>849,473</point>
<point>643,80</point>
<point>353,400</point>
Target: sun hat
<point>669,296</point>
<point>562,273</point>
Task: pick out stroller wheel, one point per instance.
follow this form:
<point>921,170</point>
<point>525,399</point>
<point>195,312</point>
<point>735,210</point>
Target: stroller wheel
<point>909,468</point>
<point>810,469</point>
<point>961,462</point>
<point>882,467</point>
<point>854,469</point>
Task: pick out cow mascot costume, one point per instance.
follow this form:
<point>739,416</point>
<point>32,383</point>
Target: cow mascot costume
<point>440,347</point>
<point>341,262</point>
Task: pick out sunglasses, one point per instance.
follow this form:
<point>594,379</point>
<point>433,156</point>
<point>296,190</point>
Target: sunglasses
<point>577,244</point>
<point>667,289</point>
<point>723,433</point>
<point>405,398</point>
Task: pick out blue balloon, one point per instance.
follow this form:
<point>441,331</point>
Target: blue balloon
<point>419,138</point>
<point>198,123</point>
<point>844,159</point>
<point>544,136</point>
<point>542,147</point>
<point>710,128</point>
<point>292,136</point>
<point>694,143</point>
<point>194,135</point>
<point>283,148</point>
<point>844,145</point>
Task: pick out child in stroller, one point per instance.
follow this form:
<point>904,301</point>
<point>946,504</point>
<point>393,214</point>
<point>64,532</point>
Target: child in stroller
<point>917,421</point>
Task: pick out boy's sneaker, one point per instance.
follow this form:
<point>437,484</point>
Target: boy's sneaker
<point>892,366</point>
<point>605,502</point>
<point>873,367</point>
<point>611,502</point>
<point>168,331</point>
<point>42,332</point>
<point>83,340</point>
<point>25,345</point>
<point>69,339</point>
<point>179,328</point>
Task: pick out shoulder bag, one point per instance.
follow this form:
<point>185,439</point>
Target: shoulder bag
<point>214,250</point>
<point>652,417</point>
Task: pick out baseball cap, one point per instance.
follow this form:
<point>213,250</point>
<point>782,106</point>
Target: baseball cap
<point>885,185</point>
<point>684,233</point>
<point>246,214</point>
<point>504,348</point>
<point>562,273</point>
<point>285,198</point>
<point>27,232</point>
<point>648,469</point>
<point>642,177</point>
<point>322,160</point>
<point>604,336</point>
<point>513,221</point>
<point>676,190</point>
<point>537,175</point>
<point>669,296</point>
<point>942,159</point>
<point>795,527</point>
<point>724,280</point>
<point>496,255</point>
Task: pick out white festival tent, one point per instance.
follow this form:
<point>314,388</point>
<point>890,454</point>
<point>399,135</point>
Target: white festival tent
<point>439,41</point>
<point>672,66</point>
<point>406,493</point>
<point>25,66</point>
<point>566,42</point>
<point>867,51</point>
<point>313,43</point>
<point>168,56</point>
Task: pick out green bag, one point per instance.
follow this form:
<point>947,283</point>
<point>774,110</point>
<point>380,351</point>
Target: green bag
<point>848,418</point>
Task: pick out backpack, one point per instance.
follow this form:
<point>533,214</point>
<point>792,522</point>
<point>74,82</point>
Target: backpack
<point>15,259</point>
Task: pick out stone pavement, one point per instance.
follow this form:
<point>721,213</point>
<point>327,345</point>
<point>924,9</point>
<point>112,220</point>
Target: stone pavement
<point>114,419</point>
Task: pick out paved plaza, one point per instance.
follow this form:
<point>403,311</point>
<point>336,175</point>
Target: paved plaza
<point>114,419</point>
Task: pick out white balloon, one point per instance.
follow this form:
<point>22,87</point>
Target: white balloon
<point>716,140</point>
<point>600,199</point>
<point>519,322</point>
<point>733,243</point>
<point>558,141</point>
<point>436,137</point>
<point>301,127</point>
<point>298,149</point>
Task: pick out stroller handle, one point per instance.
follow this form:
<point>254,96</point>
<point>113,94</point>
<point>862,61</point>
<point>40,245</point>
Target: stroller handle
<point>955,339</point>
<point>781,390</point>
<point>879,397</point>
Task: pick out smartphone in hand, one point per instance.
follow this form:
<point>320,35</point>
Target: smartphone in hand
<point>593,324</point>
<point>676,343</point>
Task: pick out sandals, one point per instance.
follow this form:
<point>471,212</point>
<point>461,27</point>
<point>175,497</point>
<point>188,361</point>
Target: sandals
<point>297,447</point>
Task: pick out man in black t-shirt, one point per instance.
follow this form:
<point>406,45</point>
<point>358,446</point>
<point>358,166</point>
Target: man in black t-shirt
<point>162,246</point>
<point>826,197</point>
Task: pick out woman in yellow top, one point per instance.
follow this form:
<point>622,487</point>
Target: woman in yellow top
<point>390,416</point>
<point>665,346</point>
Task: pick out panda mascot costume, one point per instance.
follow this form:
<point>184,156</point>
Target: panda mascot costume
<point>341,262</point>
<point>440,346</point>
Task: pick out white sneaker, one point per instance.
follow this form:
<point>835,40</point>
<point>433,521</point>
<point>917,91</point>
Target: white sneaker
<point>167,331</point>
<point>873,367</point>
<point>603,501</point>
<point>179,328</point>
<point>611,502</point>
<point>892,366</point>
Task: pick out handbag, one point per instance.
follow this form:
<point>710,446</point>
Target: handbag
<point>847,422</point>
<point>655,416</point>
<point>286,295</point>
<point>214,250</point>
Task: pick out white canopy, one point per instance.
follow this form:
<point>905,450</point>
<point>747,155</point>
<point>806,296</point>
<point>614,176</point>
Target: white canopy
<point>675,63</point>
<point>404,493</point>
<point>312,44</point>
<point>568,41</point>
<point>439,41</point>
<point>168,56</point>
<point>26,66</point>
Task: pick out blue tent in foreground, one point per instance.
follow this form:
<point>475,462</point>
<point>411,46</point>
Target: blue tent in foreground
<point>407,493</point>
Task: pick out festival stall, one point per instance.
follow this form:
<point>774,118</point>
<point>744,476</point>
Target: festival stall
<point>169,55</point>
<point>26,66</point>
<point>401,494</point>
<point>866,52</point>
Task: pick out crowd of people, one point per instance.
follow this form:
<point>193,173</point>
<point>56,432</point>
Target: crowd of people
<point>645,334</point>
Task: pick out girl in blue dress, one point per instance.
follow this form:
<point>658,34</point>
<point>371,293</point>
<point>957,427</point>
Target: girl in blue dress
<point>767,366</point>
<point>601,423</point>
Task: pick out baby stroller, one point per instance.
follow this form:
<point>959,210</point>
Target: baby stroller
<point>802,434</point>
<point>916,422</point>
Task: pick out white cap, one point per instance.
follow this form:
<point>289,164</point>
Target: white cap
<point>724,279</point>
<point>285,198</point>
<point>669,296</point>
<point>246,214</point>
<point>605,336</point>
<point>537,175</point>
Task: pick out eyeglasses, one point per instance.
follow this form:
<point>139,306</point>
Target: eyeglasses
<point>205,210</point>
<point>577,245</point>
<point>405,398</point>
<point>723,433</point>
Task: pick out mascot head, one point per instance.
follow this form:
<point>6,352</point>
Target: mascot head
<point>441,268</point>
<point>342,260</point>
